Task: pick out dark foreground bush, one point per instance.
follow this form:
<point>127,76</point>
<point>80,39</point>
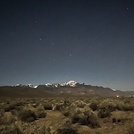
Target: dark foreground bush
<point>40,112</point>
<point>10,130</point>
<point>48,106</point>
<point>128,107</point>
<point>12,106</point>
<point>65,113</point>
<point>27,116</point>
<point>103,113</point>
<point>44,130</point>
<point>94,106</point>
<point>89,120</point>
<point>67,128</point>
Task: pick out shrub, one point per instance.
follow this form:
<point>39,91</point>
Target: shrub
<point>78,104</point>
<point>121,117</point>
<point>66,102</point>
<point>44,130</point>
<point>7,119</point>
<point>66,113</point>
<point>48,106</point>
<point>10,130</point>
<point>128,107</point>
<point>85,110</point>
<point>76,118</point>
<point>94,106</point>
<point>109,104</point>
<point>9,107</point>
<point>81,104</point>
<point>57,106</point>
<point>27,116</point>
<point>103,113</point>
<point>89,120</point>
<point>93,121</point>
<point>1,112</point>
<point>40,112</point>
<point>67,128</point>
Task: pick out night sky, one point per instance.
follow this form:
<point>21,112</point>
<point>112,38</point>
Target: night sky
<point>89,41</point>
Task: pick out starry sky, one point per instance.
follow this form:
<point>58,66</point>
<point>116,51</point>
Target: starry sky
<point>90,41</point>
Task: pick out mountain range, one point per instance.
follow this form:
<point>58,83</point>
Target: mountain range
<point>70,88</point>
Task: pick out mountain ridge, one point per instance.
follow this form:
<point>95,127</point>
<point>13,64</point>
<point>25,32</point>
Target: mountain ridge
<point>70,88</point>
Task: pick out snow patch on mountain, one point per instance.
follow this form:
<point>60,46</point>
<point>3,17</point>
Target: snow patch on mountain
<point>28,85</point>
<point>72,83</point>
<point>48,84</point>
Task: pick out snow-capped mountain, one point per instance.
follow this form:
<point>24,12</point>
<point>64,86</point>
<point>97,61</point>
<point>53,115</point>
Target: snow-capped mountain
<point>52,85</point>
<point>70,88</point>
<point>28,85</point>
<point>71,83</point>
